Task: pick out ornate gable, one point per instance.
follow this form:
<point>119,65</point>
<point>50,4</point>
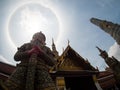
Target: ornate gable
<point>71,60</point>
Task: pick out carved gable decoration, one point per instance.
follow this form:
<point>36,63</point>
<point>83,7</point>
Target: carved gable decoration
<point>71,60</point>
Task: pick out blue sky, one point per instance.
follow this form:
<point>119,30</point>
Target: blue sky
<point>69,20</point>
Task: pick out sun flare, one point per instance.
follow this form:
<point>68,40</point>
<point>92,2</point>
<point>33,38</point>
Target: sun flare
<point>33,21</point>
<point>29,19</point>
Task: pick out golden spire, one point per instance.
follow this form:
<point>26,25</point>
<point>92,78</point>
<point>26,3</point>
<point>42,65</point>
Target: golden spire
<point>55,52</point>
<point>68,42</point>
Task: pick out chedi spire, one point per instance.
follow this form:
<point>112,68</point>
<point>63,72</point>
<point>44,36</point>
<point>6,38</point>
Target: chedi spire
<point>108,27</point>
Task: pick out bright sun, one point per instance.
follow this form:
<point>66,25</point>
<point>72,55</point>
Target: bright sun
<point>29,19</point>
<point>33,21</point>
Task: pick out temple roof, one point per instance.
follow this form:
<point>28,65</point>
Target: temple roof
<point>71,60</point>
<point>106,79</point>
<point>5,70</point>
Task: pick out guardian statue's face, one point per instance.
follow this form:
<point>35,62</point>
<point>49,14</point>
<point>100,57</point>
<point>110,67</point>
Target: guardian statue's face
<point>39,37</point>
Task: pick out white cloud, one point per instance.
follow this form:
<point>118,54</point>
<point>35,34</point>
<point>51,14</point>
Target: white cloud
<point>115,51</point>
<point>3,59</point>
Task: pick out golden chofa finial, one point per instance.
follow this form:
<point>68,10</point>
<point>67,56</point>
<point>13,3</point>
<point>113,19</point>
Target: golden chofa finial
<point>68,42</point>
<point>52,40</point>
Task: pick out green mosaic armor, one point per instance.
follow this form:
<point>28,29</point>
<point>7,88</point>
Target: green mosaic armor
<point>36,73</point>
